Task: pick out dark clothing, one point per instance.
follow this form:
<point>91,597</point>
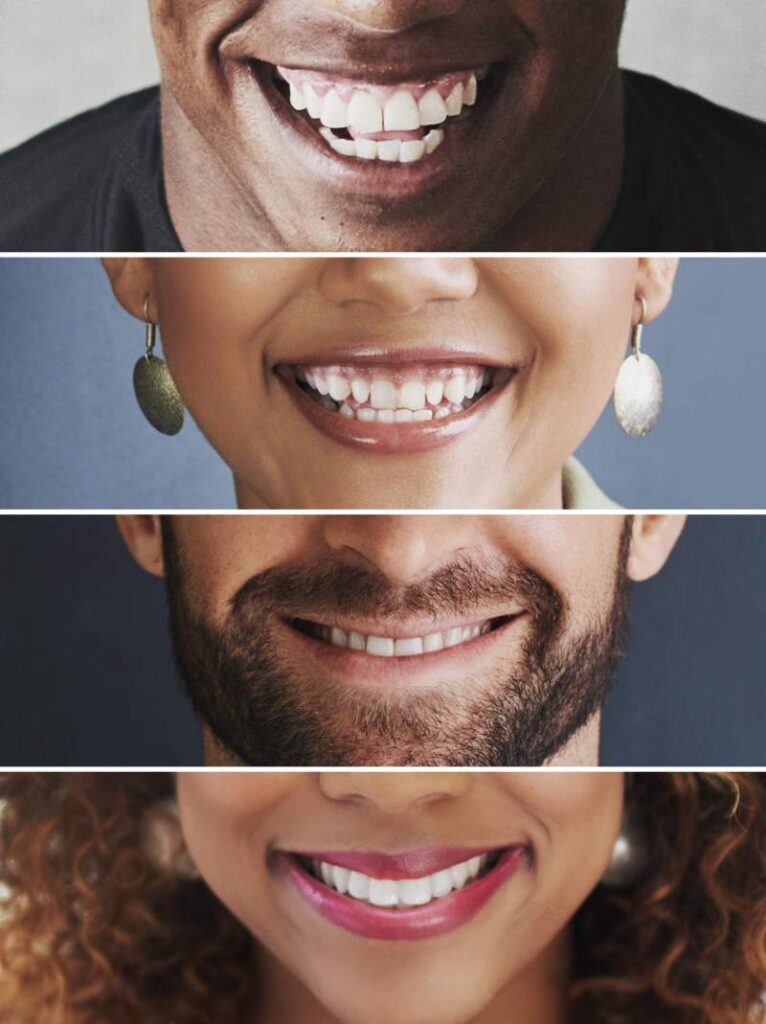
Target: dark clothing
<point>694,179</point>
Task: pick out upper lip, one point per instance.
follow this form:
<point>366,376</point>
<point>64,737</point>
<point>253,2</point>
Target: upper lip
<point>412,863</point>
<point>380,354</point>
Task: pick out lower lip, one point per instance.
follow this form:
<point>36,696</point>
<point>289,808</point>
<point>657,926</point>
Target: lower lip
<point>391,438</point>
<point>437,918</point>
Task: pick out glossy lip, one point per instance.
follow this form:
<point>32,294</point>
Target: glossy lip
<point>373,178</point>
<point>436,918</point>
<point>393,438</point>
<point>357,668</point>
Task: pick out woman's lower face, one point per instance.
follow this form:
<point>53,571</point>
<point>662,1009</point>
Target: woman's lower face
<point>404,897</point>
<point>331,383</point>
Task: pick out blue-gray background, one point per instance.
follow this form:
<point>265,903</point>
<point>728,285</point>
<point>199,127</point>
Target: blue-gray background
<point>87,674</point>
<point>72,436</point>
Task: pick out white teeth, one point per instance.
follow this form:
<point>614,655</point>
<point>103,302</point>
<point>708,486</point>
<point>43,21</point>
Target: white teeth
<point>434,392</point>
<point>380,646</point>
<point>401,113</point>
<point>412,395</point>
<point>429,394</point>
<point>454,390</point>
<point>408,647</point>
<point>340,388</point>
<point>434,139</point>
<point>411,151</point>
<point>402,647</point>
<point>432,108</point>
<point>360,389</point>
<point>334,111</point>
<point>388,150</point>
<point>383,892</point>
<point>454,101</point>
<point>358,885</point>
<point>313,101</point>
<point>364,113</point>
<point>383,395</point>
<point>407,892</point>
<point>296,98</point>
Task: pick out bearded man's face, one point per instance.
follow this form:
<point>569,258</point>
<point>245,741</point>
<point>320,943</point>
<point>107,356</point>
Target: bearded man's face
<point>374,640</point>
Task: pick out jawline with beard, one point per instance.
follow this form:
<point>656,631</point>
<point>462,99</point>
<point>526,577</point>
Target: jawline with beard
<point>248,697</point>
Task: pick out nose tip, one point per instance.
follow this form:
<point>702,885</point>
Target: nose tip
<point>393,15</point>
<point>394,792</point>
<point>398,286</point>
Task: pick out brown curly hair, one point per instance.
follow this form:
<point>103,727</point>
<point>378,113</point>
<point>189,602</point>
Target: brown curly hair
<point>93,929</point>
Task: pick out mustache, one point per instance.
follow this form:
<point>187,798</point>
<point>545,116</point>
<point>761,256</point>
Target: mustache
<point>332,584</point>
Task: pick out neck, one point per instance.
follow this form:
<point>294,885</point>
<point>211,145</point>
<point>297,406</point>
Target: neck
<point>537,995</point>
<point>582,749</point>
<point>567,210</point>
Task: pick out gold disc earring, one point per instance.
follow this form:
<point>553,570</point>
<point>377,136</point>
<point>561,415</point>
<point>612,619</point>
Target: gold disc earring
<point>156,391</point>
<point>638,390</point>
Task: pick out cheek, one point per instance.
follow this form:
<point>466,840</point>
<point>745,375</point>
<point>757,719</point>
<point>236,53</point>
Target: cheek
<point>221,553</point>
<point>575,554</point>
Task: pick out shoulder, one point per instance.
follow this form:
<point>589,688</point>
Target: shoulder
<point>48,183</point>
<point>694,116</point>
<point>704,163</point>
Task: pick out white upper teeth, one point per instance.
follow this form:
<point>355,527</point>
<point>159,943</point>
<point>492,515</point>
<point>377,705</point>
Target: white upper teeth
<point>407,892</point>
<point>368,109</point>
<point>401,647</point>
<point>427,394</point>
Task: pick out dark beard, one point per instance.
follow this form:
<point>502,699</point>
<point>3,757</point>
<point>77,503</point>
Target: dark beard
<point>266,711</point>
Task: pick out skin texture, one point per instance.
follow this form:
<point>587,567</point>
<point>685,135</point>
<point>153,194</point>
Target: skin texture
<point>229,324</point>
<point>537,165</point>
<point>577,556</point>
<point>509,964</point>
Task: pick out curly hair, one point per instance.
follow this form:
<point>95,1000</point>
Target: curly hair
<point>95,929</point>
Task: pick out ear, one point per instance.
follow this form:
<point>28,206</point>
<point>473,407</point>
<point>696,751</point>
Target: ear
<point>652,540</point>
<point>132,280</point>
<point>656,275</point>
<point>143,538</point>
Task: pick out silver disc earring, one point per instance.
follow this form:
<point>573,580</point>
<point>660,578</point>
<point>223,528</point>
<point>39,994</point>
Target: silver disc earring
<point>638,390</point>
<point>630,856</point>
<point>156,391</point>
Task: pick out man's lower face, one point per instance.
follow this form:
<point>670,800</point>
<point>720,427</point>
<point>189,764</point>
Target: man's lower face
<point>476,665</point>
<point>347,132</point>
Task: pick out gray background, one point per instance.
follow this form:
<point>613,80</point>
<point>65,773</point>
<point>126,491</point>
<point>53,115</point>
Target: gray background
<point>87,676</point>
<point>58,57</point>
<point>72,436</point>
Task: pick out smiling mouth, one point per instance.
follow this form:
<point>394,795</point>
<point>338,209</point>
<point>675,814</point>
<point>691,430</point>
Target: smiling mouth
<point>381,646</point>
<point>400,123</point>
<point>400,894</point>
<point>382,395</point>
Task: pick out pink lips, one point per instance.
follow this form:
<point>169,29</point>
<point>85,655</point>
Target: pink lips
<point>436,918</point>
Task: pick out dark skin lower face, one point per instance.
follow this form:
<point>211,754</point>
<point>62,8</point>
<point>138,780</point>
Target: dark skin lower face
<point>534,164</point>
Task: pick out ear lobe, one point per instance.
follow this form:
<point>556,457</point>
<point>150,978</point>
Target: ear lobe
<point>132,280</point>
<point>143,538</point>
<point>656,276</point>
<point>652,540</point>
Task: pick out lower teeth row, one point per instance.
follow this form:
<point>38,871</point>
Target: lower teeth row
<point>393,151</point>
<point>366,414</point>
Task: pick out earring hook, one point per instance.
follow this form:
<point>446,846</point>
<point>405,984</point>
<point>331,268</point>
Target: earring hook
<point>151,329</point>
<point>638,329</point>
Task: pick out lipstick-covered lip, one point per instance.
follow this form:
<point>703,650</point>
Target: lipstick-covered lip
<point>406,401</point>
<point>440,915</point>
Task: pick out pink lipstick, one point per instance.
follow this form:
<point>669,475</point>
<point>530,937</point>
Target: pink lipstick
<point>417,894</point>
